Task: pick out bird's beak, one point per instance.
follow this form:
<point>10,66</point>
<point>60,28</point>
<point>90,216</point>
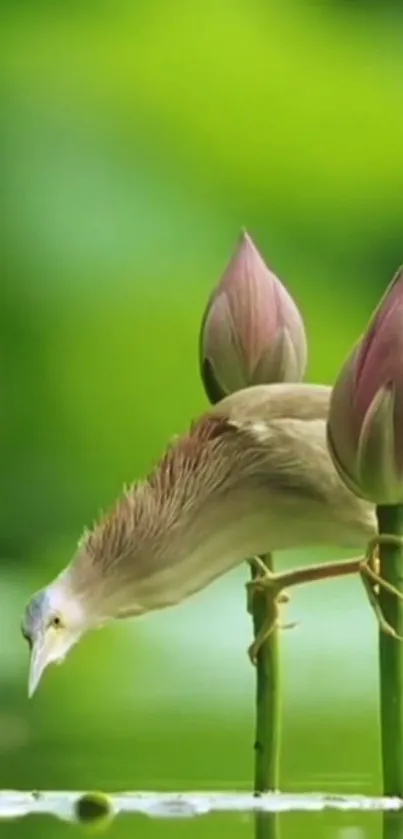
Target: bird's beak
<point>39,661</point>
<point>49,647</point>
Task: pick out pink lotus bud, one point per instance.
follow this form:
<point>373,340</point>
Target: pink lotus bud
<point>365,425</point>
<point>252,332</point>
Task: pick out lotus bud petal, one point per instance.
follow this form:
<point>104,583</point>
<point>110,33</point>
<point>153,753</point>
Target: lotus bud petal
<point>252,332</point>
<point>365,425</point>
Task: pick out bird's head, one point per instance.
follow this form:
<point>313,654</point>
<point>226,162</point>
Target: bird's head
<point>52,623</point>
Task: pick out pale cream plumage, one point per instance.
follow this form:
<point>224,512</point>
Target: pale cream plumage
<point>252,475</point>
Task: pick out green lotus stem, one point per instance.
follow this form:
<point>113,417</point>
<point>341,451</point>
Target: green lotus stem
<point>390,521</point>
<point>267,722</point>
<point>392,825</point>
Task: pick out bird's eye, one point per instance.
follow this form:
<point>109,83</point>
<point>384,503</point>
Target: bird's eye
<point>55,622</point>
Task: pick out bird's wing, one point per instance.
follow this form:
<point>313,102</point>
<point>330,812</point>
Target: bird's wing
<point>264,403</point>
<point>292,460</point>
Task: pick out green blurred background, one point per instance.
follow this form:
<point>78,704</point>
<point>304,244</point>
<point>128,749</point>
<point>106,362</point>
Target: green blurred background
<point>137,138</point>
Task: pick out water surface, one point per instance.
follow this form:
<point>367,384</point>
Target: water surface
<point>167,704</point>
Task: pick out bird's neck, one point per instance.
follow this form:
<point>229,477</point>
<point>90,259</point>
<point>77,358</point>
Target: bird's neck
<point>223,493</point>
<point>204,543</point>
<point>182,555</point>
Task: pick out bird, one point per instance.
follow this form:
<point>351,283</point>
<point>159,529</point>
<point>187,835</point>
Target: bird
<point>251,475</point>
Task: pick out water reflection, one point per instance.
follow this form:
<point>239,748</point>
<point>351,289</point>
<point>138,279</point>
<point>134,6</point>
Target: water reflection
<point>169,705</point>
<point>392,824</point>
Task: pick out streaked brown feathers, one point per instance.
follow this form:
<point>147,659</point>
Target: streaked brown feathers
<point>266,445</point>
